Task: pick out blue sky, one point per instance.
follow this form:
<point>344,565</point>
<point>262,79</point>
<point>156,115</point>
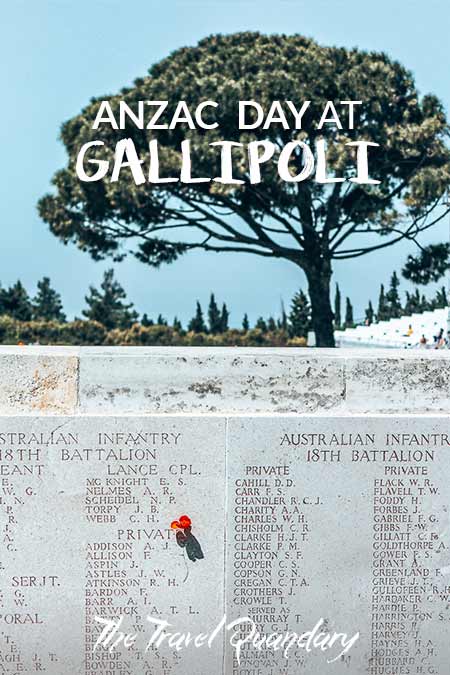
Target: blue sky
<point>55,55</point>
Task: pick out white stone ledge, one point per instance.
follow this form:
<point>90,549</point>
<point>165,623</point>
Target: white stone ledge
<point>38,381</point>
<point>168,380</point>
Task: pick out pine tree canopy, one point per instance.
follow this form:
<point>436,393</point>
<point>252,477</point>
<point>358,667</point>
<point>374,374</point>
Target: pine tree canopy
<point>278,219</point>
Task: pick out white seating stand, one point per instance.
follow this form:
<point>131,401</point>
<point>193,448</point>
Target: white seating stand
<point>394,333</point>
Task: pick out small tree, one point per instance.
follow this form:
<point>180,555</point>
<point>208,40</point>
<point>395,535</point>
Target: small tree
<point>440,299</point>
<point>300,315</point>
<point>425,305</point>
<point>409,304</point>
<point>107,305</point>
<point>245,323</point>
<point>337,308</point>
<point>383,308</point>
<point>224,317</point>
<point>393,298</point>
<point>349,321</point>
<point>282,322</point>
<point>161,321</point>
<point>214,316</point>
<point>177,326</point>
<point>146,321</point>
<point>261,325</point>
<point>47,304</point>
<point>16,303</point>
<point>197,323</point>
<point>271,324</point>
<point>369,313</point>
<point>413,302</point>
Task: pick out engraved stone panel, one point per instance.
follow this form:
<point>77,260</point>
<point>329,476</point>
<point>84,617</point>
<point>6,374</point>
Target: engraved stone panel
<point>86,506</point>
<point>339,525</point>
<point>334,525</point>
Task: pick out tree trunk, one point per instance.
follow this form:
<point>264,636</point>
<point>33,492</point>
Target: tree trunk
<point>321,313</point>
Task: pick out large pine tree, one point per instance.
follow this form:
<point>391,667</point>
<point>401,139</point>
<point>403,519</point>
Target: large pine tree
<point>107,304</point>
<point>306,223</point>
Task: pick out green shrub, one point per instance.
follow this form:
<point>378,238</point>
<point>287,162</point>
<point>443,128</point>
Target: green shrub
<point>145,336</point>
<point>81,332</point>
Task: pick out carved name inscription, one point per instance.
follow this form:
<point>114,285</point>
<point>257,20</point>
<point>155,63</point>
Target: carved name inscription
<point>344,520</point>
<point>86,512</point>
<point>313,530</point>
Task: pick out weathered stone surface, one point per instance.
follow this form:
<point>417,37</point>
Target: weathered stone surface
<point>85,512</point>
<point>344,520</point>
<point>222,380</point>
<point>299,519</point>
<point>209,380</point>
<point>43,381</point>
<point>397,383</point>
<point>306,527</point>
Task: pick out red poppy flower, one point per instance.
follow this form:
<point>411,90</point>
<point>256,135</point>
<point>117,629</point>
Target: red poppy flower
<point>185,521</point>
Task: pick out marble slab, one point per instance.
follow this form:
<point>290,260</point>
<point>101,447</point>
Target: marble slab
<point>86,507</point>
<point>339,525</point>
<point>317,544</point>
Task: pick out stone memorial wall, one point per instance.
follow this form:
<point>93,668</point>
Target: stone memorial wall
<point>236,511</point>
